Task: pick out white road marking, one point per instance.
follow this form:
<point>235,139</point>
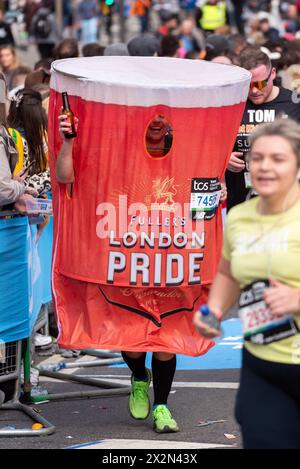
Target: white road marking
<point>148,444</point>
<point>176,384</point>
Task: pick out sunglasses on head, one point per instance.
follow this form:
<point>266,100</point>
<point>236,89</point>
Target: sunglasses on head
<point>261,83</point>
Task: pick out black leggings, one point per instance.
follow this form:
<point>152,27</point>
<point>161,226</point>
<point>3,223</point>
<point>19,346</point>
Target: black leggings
<point>268,404</point>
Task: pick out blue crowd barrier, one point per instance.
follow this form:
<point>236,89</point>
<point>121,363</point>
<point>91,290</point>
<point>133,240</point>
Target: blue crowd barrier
<point>14,279</point>
<point>25,276</point>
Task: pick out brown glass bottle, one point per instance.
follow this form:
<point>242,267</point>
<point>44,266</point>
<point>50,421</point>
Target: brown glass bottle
<point>67,111</point>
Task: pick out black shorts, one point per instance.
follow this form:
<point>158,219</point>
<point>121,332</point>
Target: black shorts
<point>268,404</point>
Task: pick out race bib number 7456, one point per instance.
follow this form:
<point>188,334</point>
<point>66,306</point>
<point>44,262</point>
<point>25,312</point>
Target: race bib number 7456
<point>205,197</point>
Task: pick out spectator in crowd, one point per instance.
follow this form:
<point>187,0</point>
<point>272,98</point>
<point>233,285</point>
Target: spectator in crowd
<point>145,45</point>
<point>92,50</point>
<point>212,15</point>
<point>6,36</point>
<point>169,23</point>
<point>27,115</point>
<point>43,64</point>
<point>30,9</point>
<point>269,33</point>
<point>87,14</point>
<point>18,79</point>
<point>216,45</point>
<point>44,32</point>
<point>8,63</point>
<point>66,49</point>
<point>237,42</point>
<point>38,77</point>
<point>291,78</point>
<point>117,49</point>
<point>191,38</point>
<point>12,187</point>
<point>141,9</point>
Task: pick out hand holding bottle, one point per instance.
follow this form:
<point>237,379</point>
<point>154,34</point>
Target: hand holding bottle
<point>207,322</point>
<point>65,126</point>
<point>68,122</point>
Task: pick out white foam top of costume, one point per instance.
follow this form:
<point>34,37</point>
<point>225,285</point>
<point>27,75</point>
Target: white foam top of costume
<point>149,81</point>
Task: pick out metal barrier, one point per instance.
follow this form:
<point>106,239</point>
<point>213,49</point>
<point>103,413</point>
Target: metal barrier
<point>110,388</point>
<point>10,370</point>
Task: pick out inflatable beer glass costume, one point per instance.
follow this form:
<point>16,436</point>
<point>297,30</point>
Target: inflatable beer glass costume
<point>138,239</point>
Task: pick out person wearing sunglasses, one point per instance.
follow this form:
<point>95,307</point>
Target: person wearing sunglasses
<point>265,103</point>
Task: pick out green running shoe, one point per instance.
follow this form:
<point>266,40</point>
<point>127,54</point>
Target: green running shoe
<point>163,421</point>
<point>139,402</point>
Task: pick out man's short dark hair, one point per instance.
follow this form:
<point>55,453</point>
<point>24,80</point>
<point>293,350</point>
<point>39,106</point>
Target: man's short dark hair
<point>43,63</point>
<point>66,49</point>
<point>169,46</point>
<point>252,57</point>
<point>92,49</point>
<point>167,15</point>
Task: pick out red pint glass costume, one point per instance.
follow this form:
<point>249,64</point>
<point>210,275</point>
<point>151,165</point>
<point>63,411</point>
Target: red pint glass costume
<point>140,238</point>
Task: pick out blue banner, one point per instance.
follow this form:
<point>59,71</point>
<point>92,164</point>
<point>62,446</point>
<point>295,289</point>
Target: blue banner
<point>14,293</point>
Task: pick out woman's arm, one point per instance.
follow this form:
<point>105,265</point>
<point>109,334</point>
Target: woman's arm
<point>223,294</point>
<point>10,189</point>
<point>224,291</point>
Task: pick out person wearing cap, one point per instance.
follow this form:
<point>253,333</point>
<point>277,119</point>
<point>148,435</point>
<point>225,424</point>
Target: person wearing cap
<point>265,103</point>
<point>144,45</point>
<point>212,15</point>
<point>216,45</point>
